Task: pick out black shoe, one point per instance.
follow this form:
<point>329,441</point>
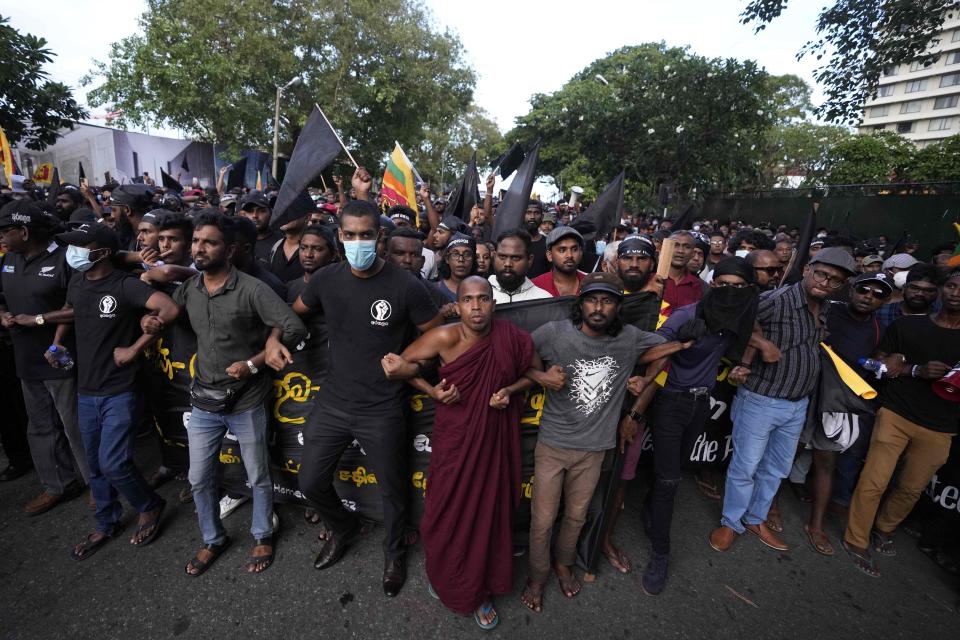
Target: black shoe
<point>394,575</point>
<point>334,548</point>
<point>655,575</point>
<point>14,471</point>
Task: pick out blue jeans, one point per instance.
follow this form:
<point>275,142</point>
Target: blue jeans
<point>765,435</point>
<point>108,427</point>
<point>205,432</point>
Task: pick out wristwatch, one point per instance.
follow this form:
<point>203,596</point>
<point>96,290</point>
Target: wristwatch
<point>636,416</point>
<point>39,320</point>
<point>252,368</point>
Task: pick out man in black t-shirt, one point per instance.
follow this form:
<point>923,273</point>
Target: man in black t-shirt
<point>370,306</point>
<point>532,218</point>
<point>107,305</point>
<point>33,280</point>
<point>917,350</point>
<point>255,207</point>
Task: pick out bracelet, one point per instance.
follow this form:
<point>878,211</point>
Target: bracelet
<point>744,365</point>
<point>636,416</point>
<point>915,371</point>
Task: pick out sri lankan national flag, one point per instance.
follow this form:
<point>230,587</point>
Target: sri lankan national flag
<point>398,186</point>
<point>6,158</point>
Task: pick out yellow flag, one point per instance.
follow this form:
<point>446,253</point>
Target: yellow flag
<point>259,188</point>
<point>6,158</point>
<point>850,377</point>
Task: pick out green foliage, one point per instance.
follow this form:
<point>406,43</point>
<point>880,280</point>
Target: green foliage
<point>859,38</point>
<point>379,69</point>
<point>800,148</point>
<point>936,162</point>
<point>34,109</point>
<point>665,115</point>
<point>443,154</point>
<point>878,158</point>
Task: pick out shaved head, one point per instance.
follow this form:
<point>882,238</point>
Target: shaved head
<point>471,280</point>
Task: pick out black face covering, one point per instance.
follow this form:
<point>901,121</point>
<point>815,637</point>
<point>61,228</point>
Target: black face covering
<point>729,309</point>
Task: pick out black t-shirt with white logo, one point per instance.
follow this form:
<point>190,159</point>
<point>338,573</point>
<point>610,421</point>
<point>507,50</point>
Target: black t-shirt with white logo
<point>106,315</point>
<point>366,319</point>
<point>35,286</point>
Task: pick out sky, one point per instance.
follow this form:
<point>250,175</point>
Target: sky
<point>534,47</point>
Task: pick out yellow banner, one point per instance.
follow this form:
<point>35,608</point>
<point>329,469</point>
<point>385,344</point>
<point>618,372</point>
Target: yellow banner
<point>6,158</point>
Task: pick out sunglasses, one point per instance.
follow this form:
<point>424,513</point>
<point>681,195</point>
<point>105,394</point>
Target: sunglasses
<point>865,290</point>
<point>770,271</point>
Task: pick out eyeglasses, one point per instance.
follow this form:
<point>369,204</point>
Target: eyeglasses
<point>770,271</point>
<point>736,285</point>
<point>458,256</point>
<point>879,294</point>
<point>822,277</point>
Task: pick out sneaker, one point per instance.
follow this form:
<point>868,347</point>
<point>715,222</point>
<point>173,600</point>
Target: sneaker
<point>519,551</point>
<point>655,574</point>
<point>228,505</point>
<point>276,523</point>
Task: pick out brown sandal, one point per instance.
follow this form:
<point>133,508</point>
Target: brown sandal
<point>818,540</point>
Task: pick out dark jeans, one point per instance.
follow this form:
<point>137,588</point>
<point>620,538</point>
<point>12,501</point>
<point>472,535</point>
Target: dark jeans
<point>327,434</point>
<point>677,419</point>
<point>13,426</point>
<point>109,430</point>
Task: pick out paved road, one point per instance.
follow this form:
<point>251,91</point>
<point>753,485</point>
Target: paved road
<point>751,591</point>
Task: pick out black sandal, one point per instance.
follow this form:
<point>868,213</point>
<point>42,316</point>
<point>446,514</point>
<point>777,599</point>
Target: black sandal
<point>253,561</point>
<point>883,543</point>
<point>200,565</point>
<point>153,522</point>
<point>89,547</point>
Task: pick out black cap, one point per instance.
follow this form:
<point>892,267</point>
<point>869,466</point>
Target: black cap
<point>451,223</point>
<point>600,281</point>
<point>135,196</point>
<point>879,278</point>
<point>88,233</point>
<point>18,213</point>
<point>81,216</point>
<point>254,199</point>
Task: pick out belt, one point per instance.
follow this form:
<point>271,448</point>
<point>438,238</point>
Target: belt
<point>696,392</point>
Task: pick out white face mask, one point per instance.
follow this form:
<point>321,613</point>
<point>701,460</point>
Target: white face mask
<point>900,279</point>
<point>741,253</point>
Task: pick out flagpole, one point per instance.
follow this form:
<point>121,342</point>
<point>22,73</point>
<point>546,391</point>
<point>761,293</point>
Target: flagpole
<point>416,174</point>
<point>336,134</point>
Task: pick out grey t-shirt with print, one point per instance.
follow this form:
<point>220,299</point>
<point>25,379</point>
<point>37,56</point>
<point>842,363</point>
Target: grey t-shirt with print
<point>584,414</point>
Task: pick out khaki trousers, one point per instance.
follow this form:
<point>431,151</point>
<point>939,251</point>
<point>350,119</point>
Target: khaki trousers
<point>573,474</point>
<point>925,451</point>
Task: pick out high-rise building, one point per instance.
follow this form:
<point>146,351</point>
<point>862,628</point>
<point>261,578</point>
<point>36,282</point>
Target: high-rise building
<point>921,103</point>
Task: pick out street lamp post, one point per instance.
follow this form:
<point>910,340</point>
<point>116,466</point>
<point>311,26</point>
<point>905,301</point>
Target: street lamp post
<point>276,121</point>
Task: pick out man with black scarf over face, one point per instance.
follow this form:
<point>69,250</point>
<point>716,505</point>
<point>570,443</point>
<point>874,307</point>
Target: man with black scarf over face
<point>721,323</point>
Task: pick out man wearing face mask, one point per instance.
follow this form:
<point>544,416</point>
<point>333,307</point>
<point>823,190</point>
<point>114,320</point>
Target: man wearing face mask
<point>919,294</point>
<point>371,307</point>
<point>511,263</point>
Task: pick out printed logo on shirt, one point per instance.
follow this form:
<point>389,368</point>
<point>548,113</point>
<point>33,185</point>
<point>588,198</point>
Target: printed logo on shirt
<point>380,312</point>
<point>108,304</point>
<point>592,383</point>
<point>9,268</point>
<point>47,272</point>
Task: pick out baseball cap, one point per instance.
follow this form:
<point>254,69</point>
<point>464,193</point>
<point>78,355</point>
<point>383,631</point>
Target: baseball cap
<point>636,246</point>
<point>92,232</point>
<point>451,223</point>
<point>81,216</point>
<point>550,216</point>
<point>254,199</point>
<point>135,196</point>
<point>21,213</point>
<point>560,233</point>
<point>880,278</point>
<point>899,261</point>
<point>228,199</point>
<point>871,259</point>
<point>835,257</point>
<point>600,281</point>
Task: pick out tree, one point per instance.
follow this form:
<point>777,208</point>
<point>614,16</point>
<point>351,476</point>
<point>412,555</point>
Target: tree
<point>663,114</point>
<point>938,162</point>
<point>379,69</point>
<point>869,159</point>
<point>442,155</point>
<point>33,109</point>
<point>860,38</point>
<point>800,148</point>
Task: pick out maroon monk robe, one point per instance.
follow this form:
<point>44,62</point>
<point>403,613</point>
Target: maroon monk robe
<point>473,483</point>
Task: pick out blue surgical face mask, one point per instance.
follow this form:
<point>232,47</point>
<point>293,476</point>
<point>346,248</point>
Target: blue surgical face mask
<point>601,245</point>
<point>79,258</point>
<point>360,253</point>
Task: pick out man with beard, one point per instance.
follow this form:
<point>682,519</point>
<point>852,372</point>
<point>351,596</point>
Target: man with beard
<point>532,218</point>
<point>919,295</point>
<point>285,255</point>
<point>318,248</point>
<point>483,361</point>
<point>511,263</point>
<point>564,250</point>
<point>589,358</point>
<point>255,206</point>
<point>69,199</point>
<point>635,260</point>
<point>770,408</point>
<point>767,268</point>
<point>459,262</point>
<point>128,203</point>
<point>721,325</point>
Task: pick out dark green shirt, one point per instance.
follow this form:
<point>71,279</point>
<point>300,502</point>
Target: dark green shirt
<point>232,325</point>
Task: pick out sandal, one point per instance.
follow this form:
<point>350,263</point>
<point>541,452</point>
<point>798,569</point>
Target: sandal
<point>152,522</point>
<point>312,516</point>
<point>617,559</point>
<point>818,540</point>
<point>89,546</point>
<point>265,561</point>
<point>533,599</point>
<point>485,609</point>
<point>569,586</point>
<point>883,543</point>
<point>200,565</point>
<point>774,522</point>
<point>864,563</point>
<point>432,591</point>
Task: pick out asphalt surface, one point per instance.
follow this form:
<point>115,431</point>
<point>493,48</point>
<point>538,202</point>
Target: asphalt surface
<point>750,591</point>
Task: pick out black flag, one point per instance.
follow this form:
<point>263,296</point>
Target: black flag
<point>238,174</point>
<point>510,212</point>
<point>509,161</point>
<point>184,164</point>
<point>802,254</point>
<point>607,209</point>
<point>316,148</point>
<point>467,193</point>
<point>169,182</point>
<point>54,189</point>
<point>83,176</point>
<point>683,222</point>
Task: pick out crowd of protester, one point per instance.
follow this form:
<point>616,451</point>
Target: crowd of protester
<point>403,300</point>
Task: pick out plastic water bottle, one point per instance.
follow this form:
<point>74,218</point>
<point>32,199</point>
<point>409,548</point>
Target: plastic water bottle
<point>62,357</point>
<point>877,366</point>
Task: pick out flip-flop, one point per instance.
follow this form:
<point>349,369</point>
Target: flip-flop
<point>200,565</point>
<point>312,516</point>
<point>432,591</point>
<point>571,583</point>
<point>89,547</point>
<point>485,609</point>
<point>618,560</point>
<point>883,543</point>
<point>863,563</point>
<point>821,548</point>
<point>152,522</point>
<point>536,607</point>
